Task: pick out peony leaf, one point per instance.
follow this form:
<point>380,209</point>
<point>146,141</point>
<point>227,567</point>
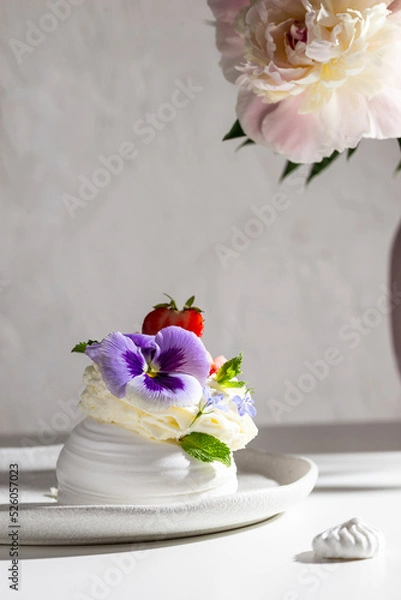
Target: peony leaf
<point>236,131</point>
<point>398,168</point>
<point>320,166</point>
<point>288,169</point>
<point>206,447</point>
<point>246,143</point>
<point>351,151</point>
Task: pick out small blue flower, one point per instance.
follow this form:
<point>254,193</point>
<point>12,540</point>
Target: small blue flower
<point>213,401</point>
<point>245,405</point>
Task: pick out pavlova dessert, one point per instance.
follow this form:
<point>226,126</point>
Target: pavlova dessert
<point>162,417</point>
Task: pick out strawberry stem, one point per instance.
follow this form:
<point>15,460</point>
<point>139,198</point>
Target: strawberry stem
<point>189,302</point>
<point>173,304</point>
<point>189,305</point>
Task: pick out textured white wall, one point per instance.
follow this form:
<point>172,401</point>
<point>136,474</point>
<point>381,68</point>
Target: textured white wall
<point>79,92</point>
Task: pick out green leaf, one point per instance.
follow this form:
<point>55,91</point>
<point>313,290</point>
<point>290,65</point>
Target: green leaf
<point>234,384</point>
<point>247,142</point>
<point>236,131</point>
<point>189,302</point>
<point>351,151</point>
<point>319,167</point>
<point>230,369</point>
<point>206,448</point>
<point>81,347</point>
<point>398,168</point>
<point>289,168</point>
<point>189,305</point>
<point>172,302</point>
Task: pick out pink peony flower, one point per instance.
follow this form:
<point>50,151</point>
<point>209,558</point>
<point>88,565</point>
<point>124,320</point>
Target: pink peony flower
<point>314,76</point>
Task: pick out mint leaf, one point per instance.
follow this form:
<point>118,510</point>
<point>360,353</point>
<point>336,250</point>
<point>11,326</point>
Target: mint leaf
<point>206,448</point>
<point>234,384</point>
<point>230,369</point>
<point>236,131</point>
<point>81,347</point>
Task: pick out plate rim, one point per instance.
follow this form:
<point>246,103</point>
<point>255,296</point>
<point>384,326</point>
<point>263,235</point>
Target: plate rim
<point>305,483</point>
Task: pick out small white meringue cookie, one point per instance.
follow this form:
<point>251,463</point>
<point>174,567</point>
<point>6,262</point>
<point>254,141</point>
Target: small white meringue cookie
<point>350,540</point>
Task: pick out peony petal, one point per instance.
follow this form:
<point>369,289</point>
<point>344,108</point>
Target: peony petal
<point>385,113</point>
<point>226,10</point>
<point>280,127</point>
<point>230,44</point>
<point>307,113</point>
<point>395,6</point>
<point>307,138</point>
<point>181,351</point>
<point>341,6</point>
<point>119,361</point>
<point>163,391</point>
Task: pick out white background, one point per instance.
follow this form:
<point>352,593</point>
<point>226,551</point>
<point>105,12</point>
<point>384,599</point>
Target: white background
<point>282,297</point>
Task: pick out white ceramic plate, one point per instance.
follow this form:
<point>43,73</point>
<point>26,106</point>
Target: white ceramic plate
<point>268,485</point>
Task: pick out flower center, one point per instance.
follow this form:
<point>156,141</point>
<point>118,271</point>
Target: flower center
<point>151,372</point>
<point>298,33</point>
<point>312,50</point>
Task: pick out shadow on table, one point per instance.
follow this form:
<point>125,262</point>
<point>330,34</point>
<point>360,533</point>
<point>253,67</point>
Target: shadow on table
<point>329,489</point>
<point>330,438</point>
<point>316,438</point>
<point>310,558</point>
<point>35,480</point>
<point>34,552</point>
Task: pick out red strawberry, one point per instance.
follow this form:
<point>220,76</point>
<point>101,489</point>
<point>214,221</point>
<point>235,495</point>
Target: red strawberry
<point>163,315</point>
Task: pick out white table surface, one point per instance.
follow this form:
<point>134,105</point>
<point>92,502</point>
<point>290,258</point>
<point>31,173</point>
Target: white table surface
<point>270,561</point>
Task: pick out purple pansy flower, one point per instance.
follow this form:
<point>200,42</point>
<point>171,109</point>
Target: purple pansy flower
<point>141,340</point>
<point>245,405</point>
<point>153,372</point>
<point>213,401</point>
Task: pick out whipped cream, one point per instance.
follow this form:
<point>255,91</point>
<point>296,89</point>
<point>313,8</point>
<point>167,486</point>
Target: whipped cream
<point>228,426</point>
<point>104,464</point>
<point>352,539</point>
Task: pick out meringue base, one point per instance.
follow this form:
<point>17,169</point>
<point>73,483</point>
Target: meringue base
<point>102,463</point>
